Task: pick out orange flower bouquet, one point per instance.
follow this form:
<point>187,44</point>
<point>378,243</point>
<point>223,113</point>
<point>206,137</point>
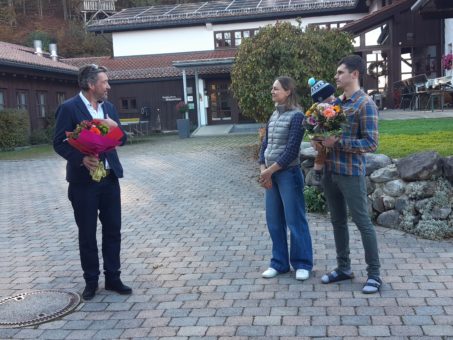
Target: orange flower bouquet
<point>91,137</point>
<point>323,120</point>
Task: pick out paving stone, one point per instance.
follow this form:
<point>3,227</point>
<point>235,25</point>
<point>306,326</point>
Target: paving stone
<point>374,331</point>
<point>342,331</point>
<point>194,245</point>
<point>438,330</point>
<point>406,330</point>
<point>251,331</point>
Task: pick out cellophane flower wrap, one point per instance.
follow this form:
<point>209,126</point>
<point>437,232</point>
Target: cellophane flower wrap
<point>91,137</point>
<point>323,120</point>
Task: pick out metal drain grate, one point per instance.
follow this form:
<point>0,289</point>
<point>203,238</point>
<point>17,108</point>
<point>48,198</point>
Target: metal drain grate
<point>31,308</point>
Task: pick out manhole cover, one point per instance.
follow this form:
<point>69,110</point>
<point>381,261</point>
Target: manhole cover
<point>36,307</point>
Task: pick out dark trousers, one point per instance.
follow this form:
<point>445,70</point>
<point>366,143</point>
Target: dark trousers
<point>344,192</point>
<point>89,199</point>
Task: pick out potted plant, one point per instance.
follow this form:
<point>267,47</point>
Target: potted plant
<point>183,124</point>
<point>447,61</point>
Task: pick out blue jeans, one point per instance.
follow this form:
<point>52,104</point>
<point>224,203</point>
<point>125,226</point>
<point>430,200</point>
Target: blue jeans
<point>285,208</point>
<point>349,192</point>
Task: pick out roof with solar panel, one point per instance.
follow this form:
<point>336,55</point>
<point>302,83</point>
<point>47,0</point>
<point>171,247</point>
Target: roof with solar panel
<point>216,11</point>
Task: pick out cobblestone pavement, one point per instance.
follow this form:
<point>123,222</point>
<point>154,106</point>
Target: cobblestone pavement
<point>194,245</point>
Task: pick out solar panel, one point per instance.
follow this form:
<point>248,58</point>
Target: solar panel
<point>307,2</point>
<point>273,3</point>
<point>159,10</point>
<point>129,12</point>
<point>243,4</point>
<point>217,8</point>
<point>186,8</point>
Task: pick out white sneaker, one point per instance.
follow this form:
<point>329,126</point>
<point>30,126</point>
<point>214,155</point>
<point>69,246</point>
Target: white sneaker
<point>269,273</point>
<point>302,274</point>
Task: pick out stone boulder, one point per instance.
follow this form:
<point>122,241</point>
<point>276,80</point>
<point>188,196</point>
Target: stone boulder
<point>370,186</point>
<point>385,174</point>
<point>376,161</point>
<point>308,153</point>
<point>389,202</point>
<point>394,188</point>
<point>310,180</point>
<point>420,166</point>
<point>402,203</point>
<point>389,219</point>
<point>420,189</point>
<point>308,163</point>
<point>447,165</point>
<point>377,201</point>
<point>439,213</point>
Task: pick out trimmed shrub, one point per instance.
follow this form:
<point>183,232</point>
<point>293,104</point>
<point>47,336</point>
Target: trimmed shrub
<point>314,200</point>
<point>44,136</point>
<point>14,129</point>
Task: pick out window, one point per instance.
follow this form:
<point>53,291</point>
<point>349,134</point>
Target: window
<point>22,100</point>
<point>2,99</point>
<point>232,38</point>
<point>41,100</point>
<point>61,96</point>
<point>128,104</point>
<point>329,25</point>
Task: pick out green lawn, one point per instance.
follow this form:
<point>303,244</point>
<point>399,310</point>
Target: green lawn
<point>400,138</point>
<point>397,138</point>
<point>35,151</point>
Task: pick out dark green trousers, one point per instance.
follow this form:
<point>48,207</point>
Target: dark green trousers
<point>349,192</point>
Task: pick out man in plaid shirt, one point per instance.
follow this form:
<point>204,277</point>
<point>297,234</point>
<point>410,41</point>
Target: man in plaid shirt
<point>344,179</point>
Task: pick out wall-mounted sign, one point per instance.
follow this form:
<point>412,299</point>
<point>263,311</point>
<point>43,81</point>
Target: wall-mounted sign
<point>171,99</point>
<point>191,106</point>
<point>190,98</point>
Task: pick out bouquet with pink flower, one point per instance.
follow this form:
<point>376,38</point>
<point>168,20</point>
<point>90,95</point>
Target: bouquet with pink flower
<point>323,120</point>
<point>91,137</point>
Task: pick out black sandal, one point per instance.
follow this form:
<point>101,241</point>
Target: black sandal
<point>373,285</point>
<point>336,276</point>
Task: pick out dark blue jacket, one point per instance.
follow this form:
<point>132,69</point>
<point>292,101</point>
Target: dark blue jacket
<point>68,115</point>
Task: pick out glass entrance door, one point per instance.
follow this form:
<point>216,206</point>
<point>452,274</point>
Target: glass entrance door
<point>220,102</point>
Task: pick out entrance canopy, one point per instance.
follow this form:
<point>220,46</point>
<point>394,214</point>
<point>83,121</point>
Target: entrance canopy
<point>215,63</point>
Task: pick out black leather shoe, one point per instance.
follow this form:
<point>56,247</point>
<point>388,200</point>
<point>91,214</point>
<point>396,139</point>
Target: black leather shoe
<point>118,286</point>
<point>89,292</point>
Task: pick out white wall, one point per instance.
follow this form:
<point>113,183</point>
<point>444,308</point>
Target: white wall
<point>448,35</point>
<point>194,38</point>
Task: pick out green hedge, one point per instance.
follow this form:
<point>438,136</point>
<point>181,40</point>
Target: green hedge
<point>14,129</point>
<point>45,135</point>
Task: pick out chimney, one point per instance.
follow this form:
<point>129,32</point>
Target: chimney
<point>38,47</point>
<point>53,52</point>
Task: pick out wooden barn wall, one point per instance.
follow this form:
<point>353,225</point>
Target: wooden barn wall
<point>158,96</point>
<point>33,82</point>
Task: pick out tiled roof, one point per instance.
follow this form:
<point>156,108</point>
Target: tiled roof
<point>25,57</point>
<point>155,66</point>
<point>215,11</point>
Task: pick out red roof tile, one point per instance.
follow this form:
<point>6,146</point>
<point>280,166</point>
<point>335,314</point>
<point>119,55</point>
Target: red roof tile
<point>22,56</point>
<point>154,66</point>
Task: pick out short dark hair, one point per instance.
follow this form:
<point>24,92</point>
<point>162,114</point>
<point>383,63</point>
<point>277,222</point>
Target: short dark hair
<point>353,63</point>
<point>289,84</point>
<point>88,74</point>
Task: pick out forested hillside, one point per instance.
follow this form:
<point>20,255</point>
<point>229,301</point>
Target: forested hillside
<point>58,21</point>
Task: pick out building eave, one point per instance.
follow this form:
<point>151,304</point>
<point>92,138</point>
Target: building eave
<point>34,67</point>
<point>377,17</point>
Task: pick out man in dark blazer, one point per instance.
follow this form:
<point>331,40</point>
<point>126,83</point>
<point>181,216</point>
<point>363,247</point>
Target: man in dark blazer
<point>88,197</point>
